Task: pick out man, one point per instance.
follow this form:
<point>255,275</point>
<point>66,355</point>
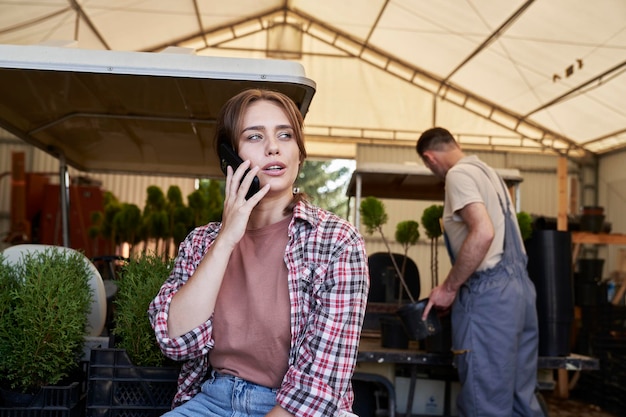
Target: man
<point>494,318</point>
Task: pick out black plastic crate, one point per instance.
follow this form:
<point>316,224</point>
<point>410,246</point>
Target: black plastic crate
<point>51,401</point>
<point>117,388</point>
<point>605,387</point>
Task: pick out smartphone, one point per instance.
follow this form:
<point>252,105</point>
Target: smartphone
<point>228,156</point>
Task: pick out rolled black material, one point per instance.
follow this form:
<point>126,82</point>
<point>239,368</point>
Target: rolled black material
<point>550,269</point>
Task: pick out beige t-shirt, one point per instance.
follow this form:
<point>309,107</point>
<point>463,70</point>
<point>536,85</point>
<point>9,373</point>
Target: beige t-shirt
<point>251,325</point>
<point>466,184</point>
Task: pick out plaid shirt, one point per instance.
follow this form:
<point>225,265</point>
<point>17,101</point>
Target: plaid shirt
<point>328,286</point>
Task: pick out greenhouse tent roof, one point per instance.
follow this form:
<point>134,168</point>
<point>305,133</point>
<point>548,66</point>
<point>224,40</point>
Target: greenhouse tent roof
<point>517,75</point>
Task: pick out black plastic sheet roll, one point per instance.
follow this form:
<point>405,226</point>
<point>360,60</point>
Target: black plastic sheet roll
<point>550,269</point>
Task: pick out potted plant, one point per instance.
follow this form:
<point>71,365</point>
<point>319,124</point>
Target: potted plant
<point>140,280</point>
<point>431,220</point>
<point>44,306</point>
<point>393,329</point>
<point>133,376</point>
<point>374,217</point>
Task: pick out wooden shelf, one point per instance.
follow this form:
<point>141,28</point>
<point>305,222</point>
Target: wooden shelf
<point>582,238</point>
<point>598,238</point>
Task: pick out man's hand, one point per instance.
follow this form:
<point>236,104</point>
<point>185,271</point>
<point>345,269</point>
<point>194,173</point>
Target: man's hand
<point>440,297</point>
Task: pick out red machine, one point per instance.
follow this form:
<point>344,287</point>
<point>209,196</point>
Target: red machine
<point>36,211</point>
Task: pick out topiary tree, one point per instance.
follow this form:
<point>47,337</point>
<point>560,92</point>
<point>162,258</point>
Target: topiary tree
<point>155,218</point>
<point>431,220</point>
<point>102,223</point>
<point>206,203</point>
<point>374,216</point>
<point>178,221</point>
<point>127,223</point>
<point>407,234</point>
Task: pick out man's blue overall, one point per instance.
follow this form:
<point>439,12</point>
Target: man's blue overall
<point>495,334</point>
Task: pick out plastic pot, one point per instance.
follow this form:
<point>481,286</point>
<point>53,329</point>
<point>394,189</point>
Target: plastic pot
<point>416,328</point>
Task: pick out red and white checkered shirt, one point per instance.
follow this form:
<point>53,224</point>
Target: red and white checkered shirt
<point>328,286</point>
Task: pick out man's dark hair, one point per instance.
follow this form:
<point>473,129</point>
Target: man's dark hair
<point>435,138</point>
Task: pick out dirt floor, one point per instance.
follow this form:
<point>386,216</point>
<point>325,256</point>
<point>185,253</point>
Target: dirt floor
<point>571,407</point>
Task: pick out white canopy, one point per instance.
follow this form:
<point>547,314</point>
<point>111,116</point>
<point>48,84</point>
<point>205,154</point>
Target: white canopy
<point>131,112</point>
<point>544,75</point>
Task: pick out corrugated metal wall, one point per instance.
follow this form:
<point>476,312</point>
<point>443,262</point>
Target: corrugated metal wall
<point>127,188</point>
<point>8,145</point>
<point>612,196</point>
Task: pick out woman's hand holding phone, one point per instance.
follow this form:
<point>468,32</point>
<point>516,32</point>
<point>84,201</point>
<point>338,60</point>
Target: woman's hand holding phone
<point>237,208</point>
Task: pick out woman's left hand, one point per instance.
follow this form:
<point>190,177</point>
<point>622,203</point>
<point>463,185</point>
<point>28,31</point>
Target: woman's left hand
<point>236,208</point>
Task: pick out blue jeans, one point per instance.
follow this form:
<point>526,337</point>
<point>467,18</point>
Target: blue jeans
<point>227,396</point>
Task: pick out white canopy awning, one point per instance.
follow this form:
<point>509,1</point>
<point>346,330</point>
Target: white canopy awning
<point>133,112</point>
<point>539,76</point>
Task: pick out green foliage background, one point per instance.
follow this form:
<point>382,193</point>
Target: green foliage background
<point>166,220</point>
<point>325,184</point>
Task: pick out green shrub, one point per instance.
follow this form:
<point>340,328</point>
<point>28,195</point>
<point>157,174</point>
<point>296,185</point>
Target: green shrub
<point>44,306</point>
<point>140,281</point>
<point>525,222</point>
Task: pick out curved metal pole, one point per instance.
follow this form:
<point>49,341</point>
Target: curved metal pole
<point>64,191</point>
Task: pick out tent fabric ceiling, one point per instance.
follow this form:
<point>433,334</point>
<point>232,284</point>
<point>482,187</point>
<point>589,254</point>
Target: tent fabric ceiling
<point>543,75</point>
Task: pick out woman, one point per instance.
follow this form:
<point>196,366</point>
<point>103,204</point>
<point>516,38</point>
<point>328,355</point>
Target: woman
<point>266,307</point>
